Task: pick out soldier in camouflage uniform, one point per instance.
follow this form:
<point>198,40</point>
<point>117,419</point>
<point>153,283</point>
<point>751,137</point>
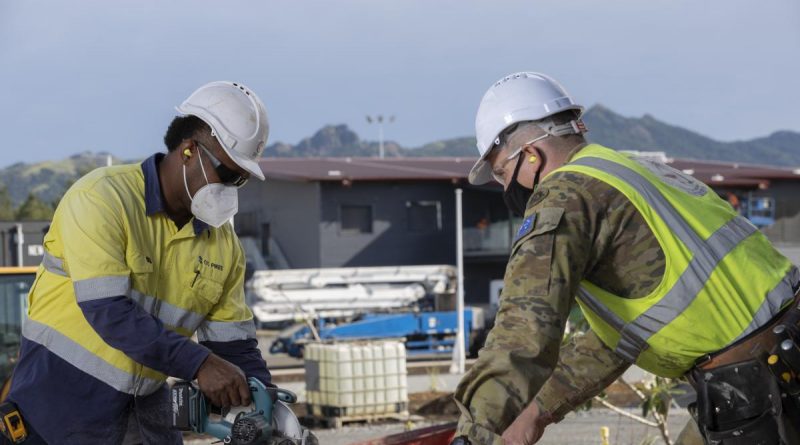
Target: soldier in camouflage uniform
<point>584,229</point>
<point>575,227</point>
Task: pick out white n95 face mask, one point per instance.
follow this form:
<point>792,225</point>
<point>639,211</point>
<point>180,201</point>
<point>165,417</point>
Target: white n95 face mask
<point>214,204</point>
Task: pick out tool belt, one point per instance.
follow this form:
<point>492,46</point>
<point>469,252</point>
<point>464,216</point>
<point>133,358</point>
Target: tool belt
<point>749,392</point>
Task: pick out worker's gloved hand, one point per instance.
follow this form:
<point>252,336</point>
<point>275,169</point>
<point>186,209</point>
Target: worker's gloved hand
<point>527,428</point>
<point>223,382</point>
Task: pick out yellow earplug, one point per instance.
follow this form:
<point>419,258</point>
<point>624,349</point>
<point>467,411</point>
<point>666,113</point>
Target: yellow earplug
<point>188,153</point>
<point>532,159</point>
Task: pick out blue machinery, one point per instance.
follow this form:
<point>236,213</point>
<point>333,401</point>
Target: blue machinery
<point>424,332</point>
<point>759,210</point>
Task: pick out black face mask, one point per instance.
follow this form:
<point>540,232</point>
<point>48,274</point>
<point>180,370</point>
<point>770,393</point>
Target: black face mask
<point>516,196</point>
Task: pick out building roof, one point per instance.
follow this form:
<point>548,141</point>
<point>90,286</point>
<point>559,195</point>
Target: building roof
<point>714,173</point>
<point>732,174</point>
<point>367,169</point>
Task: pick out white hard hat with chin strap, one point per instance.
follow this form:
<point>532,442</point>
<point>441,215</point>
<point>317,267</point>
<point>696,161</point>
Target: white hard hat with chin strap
<point>237,118</point>
<point>520,97</point>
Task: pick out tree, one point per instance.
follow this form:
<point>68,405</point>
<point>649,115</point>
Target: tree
<point>81,171</point>
<point>34,209</point>
<point>6,207</point>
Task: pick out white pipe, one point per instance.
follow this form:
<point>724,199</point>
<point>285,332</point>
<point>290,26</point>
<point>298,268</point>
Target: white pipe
<point>20,242</point>
<point>459,354</point>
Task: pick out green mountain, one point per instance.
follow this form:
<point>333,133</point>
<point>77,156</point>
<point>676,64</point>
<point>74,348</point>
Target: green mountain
<point>48,180</point>
<point>645,133</point>
<point>649,134</point>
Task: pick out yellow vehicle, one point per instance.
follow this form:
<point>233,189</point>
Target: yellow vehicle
<point>15,282</point>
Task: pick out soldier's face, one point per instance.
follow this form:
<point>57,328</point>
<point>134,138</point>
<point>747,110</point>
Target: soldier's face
<point>504,159</point>
<point>500,160</point>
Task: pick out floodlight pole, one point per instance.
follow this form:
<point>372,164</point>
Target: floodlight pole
<point>381,153</point>
<point>380,119</point>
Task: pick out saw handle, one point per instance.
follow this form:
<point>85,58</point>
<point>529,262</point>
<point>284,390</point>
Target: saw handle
<point>263,400</point>
<point>284,395</point>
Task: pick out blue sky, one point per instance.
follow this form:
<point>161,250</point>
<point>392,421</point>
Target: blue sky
<point>105,75</point>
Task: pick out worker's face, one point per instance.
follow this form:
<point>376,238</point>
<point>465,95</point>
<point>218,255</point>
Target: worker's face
<point>504,158</point>
<point>216,164</point>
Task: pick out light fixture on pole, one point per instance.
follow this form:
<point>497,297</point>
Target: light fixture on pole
<point>380,120</point>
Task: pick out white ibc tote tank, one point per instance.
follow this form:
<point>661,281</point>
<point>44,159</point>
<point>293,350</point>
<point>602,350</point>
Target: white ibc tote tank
<point>356,378</point>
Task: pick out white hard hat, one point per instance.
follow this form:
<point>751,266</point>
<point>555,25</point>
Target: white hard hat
<point>516,98</point>
<point>237,118</point>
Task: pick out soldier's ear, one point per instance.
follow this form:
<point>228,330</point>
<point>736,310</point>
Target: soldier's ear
<point>529,150</point>
<point>531,154</point>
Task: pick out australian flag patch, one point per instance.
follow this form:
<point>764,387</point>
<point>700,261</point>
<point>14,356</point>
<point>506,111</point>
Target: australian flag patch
<point>526,227</point>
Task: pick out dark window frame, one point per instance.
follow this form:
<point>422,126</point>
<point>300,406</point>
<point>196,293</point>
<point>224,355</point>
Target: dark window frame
<point>357,231</point>
<point>424,228</point>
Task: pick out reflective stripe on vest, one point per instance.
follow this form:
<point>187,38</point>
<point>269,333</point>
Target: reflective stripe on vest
<point>707,254</point>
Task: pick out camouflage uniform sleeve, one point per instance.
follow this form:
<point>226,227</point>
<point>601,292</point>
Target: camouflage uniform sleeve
<point>549,258</point>
<point>585,367</point>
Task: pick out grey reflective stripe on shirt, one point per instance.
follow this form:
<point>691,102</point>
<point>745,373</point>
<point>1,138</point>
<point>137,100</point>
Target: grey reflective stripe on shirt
<point>77,356</point>
<point>169,314</point>
<point>706,256</point>
<point>53,264</point>
<point>101,287</point>
<point>226,331</point>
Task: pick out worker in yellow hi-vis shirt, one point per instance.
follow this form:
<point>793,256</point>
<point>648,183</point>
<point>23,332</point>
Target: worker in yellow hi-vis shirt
<point>138,259</point>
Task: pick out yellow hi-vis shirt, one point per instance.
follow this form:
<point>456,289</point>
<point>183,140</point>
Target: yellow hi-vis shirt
<point>110,237</point>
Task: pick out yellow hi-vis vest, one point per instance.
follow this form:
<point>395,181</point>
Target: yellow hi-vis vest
<point>723,279</point>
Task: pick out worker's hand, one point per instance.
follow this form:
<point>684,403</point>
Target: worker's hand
<point>223,382</point>
<point>527,428</point>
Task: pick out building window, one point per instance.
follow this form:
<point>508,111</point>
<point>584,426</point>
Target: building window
<point>424,216</point>
<point>355,219</point>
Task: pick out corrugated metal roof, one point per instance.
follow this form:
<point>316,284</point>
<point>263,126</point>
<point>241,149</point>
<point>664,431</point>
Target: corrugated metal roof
<point>715,173</point>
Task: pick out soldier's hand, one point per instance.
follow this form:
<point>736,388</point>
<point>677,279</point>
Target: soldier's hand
<point>223,382</point>
<point>527,428</point>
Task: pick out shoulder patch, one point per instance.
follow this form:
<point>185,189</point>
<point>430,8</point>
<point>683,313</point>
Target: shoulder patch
<point>538,196</point>
<point>526,227</point>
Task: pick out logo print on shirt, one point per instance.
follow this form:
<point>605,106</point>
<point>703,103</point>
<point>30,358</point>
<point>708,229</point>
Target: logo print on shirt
<point>207,263</point>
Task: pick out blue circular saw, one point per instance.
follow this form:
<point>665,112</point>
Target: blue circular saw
<point>267,423</point>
